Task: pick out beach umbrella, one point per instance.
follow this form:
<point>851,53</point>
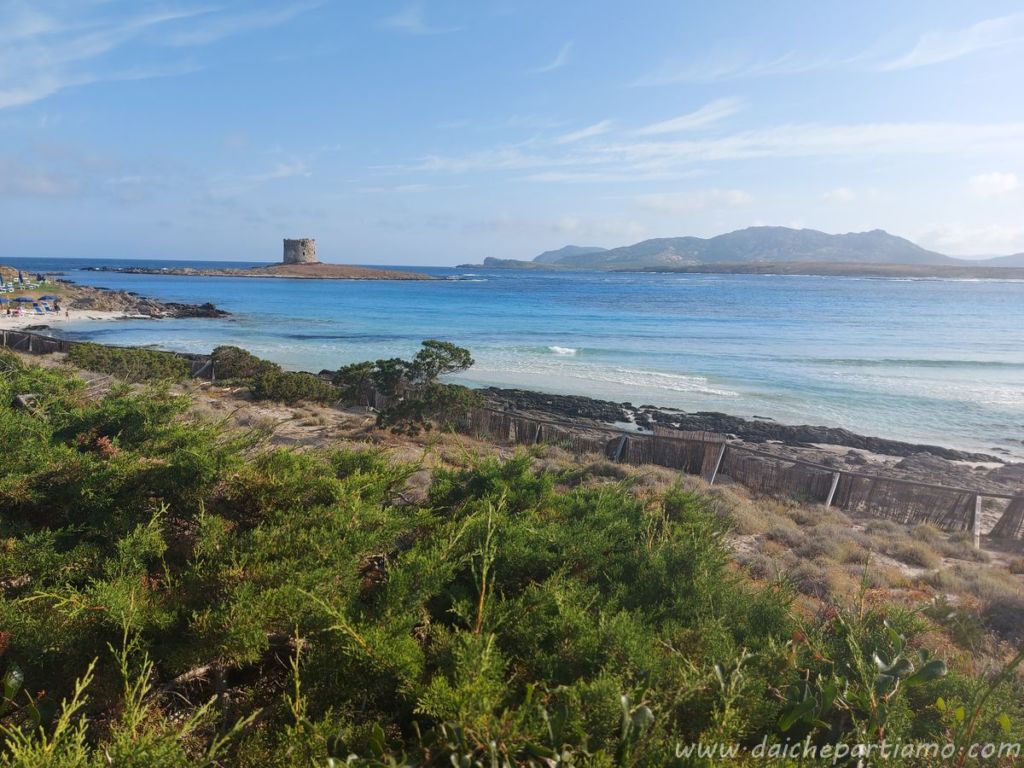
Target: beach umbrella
<point>49,297</point>
<point>24,299</point>
<point>4,301</point>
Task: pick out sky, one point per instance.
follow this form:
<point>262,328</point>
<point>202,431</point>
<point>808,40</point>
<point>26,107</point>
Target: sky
<point>434,133</point>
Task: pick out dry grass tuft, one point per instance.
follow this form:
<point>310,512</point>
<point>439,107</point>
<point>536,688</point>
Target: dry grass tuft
<point>915,553</point>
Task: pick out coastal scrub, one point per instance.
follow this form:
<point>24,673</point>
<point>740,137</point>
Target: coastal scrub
<point>171,593</point>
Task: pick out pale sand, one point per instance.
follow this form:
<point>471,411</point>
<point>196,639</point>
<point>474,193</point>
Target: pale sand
<point>57,319</point>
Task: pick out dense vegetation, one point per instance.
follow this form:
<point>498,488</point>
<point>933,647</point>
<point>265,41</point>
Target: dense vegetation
<point>130,364</point>
<point>173,593</point>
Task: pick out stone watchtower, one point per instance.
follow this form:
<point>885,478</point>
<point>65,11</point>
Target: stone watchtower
<point>301,251</point>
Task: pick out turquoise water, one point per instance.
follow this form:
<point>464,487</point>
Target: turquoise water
<point>924,360</point>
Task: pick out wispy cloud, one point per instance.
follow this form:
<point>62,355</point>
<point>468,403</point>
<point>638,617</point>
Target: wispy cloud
<point>229,186</point>
<point>840,195</point>
<point>734,66</point>
<point>687,202</point>
<point>995,184</point>
<point>983,240</point>
<point>219,26</point>
<point>931,48</point>
<point>937,47</point>
<point>560,60</point>
<point>628,158</point>
<point>20,180</point>
<point>411,21</point>
<point>589,132</point>
<point>699,118</point>
<point>55,46</point>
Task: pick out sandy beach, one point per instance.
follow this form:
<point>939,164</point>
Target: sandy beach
<point>57,319</point>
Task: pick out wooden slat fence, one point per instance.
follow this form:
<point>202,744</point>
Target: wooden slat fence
<point>707,454</point>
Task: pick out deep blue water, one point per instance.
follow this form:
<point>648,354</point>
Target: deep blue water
<point>924,360</point>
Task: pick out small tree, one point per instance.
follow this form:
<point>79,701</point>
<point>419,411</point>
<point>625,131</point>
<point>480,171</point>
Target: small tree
<point>438,358</point>
<point>412,390</point>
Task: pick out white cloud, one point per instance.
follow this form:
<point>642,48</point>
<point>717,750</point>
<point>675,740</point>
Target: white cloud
<point>584,133</point>
<point>217,27</point>
<point>937,47</point>
<point>961,240</point>
<point>706,115</point>
<point>58,46</point>
<point>20,180</point>
<point>995,184</point>
<point>615,230</point>
<point>410,20</point>
<point>666,158</point>
<point>231,185</point>
<point>560,60</point>
<point>931,48</point>
<point>733,66</point>
<point>839,195</point>
<point>819,140</point>
<point>686,202</point>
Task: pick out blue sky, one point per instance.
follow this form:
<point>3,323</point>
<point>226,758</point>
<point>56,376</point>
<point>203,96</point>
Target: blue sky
<point>442,132</point>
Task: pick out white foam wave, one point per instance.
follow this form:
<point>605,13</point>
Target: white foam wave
<point>562,350</point>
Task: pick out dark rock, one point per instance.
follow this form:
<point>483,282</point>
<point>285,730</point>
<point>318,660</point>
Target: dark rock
<point>574,406</point>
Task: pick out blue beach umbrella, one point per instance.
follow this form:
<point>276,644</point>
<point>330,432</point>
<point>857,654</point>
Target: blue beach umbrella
<point>49,297</point>
<point>24,299</point>
<point>4,301</point>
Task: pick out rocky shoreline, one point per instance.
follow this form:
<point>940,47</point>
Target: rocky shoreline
<point>87,297</point>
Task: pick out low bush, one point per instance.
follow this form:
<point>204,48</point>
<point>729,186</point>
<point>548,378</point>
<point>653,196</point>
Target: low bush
<point>184,595</point>
<point>915,553</point>
<point>293,387</point>
<point>413,397</point>
<point>236,363</point>
<point>130,364</point>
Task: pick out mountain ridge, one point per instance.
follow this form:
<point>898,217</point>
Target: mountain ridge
<point>752,246</point>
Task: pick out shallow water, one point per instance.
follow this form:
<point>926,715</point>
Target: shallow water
<point>923,360</point>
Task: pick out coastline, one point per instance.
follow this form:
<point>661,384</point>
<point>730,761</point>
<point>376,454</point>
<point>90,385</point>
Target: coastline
<point>30,321</point>
<point>53,299</point>
<point>313,271</point>
<point>829,447</point>
<point>781,268</point>
<point>812,442</point>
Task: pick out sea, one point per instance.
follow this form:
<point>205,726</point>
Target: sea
<point>924,360</point>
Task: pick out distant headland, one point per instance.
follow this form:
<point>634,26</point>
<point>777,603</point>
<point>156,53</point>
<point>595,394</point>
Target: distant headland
<point>299,260</point>
<point>773,250</point>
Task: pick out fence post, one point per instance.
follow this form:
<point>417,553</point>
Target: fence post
<point>619,449</point>
<point>976,521</point>
<point>832,490</point>
<point>718,464</point>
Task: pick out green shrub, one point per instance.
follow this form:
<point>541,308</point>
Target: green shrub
<point>196,598</point>
<point>412,396</point>
<point>293,387</point>
<point>129,364</point>
<point>236,363</point>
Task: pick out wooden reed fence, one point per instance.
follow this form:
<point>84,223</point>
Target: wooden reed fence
<point>710,455</point>
<point>706,454</point>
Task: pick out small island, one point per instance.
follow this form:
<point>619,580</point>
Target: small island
<point>299,261</point>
